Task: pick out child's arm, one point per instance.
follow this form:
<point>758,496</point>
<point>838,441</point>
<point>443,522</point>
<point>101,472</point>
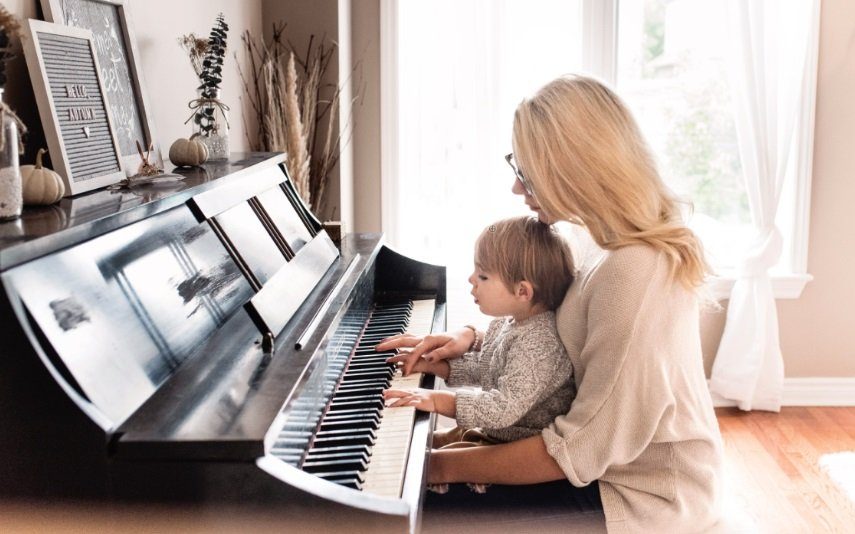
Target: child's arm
<point>426,400</point>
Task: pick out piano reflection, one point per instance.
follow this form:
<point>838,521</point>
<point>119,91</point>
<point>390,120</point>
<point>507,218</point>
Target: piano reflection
<point>210,344</point>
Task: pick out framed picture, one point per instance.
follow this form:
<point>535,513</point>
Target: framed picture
<point>63,66</point>
<point>121,70</point>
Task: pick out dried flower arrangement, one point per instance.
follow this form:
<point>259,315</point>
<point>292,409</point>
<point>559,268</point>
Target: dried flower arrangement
<point>210,73</point>
<point>284,91</point>
<point>196,48</point>
<point>9,30</point>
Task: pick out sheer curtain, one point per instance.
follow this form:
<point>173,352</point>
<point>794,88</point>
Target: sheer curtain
<point>462,68</point>
<point>774,44</point>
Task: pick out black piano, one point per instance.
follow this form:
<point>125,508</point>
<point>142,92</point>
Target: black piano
<point>202,340</point>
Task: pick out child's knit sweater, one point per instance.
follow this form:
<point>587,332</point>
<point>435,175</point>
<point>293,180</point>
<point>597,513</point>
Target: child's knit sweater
<point>525,376</point>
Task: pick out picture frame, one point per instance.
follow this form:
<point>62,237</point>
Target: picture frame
<point>73,108</point>
<point>110,22</point>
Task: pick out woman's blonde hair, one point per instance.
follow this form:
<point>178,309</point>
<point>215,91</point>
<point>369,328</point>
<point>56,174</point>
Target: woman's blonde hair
<point>579,146</point>
<point>523,248</point>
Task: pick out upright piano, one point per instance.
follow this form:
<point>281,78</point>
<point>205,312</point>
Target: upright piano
<point>203,340</point>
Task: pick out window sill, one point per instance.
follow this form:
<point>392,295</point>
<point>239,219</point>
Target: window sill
<point>784,286</point>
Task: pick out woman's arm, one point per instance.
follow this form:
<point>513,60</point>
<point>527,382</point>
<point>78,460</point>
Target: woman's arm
<point>496,464</point>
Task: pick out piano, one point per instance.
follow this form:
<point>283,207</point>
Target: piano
<point>204,341</point>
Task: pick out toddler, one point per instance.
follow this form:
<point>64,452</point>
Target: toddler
<point>523,269</point>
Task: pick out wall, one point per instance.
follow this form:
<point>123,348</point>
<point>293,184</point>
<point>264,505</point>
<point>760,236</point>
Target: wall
<point>323,19</point>
<point>817,329</point>
<point>169,79</point>
<point>366,135</point>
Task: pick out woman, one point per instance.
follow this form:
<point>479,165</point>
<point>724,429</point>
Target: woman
<point>642,425</point>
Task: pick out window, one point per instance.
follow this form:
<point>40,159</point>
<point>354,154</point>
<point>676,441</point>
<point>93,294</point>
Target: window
<point>463,66</point>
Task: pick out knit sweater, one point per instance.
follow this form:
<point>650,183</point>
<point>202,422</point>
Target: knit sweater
<point>525,377</point>
<point>642,422</point>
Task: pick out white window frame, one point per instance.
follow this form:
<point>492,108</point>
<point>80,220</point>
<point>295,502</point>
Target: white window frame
<point>600,33</point>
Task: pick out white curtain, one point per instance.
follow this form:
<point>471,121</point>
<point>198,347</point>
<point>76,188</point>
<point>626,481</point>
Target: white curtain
<point>772,40</point>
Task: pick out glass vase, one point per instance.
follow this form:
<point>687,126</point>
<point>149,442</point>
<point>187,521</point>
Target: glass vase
<point>11,188</point>
<point>211,123</point>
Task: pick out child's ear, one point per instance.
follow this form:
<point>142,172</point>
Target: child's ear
<point>525,291</point>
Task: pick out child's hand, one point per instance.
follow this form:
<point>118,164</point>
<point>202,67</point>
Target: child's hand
<point>412,363</point>
<point>426,400</point>
<point>420,399</point>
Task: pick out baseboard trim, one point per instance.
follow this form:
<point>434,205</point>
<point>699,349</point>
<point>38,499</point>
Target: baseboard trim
<point>810,392</point>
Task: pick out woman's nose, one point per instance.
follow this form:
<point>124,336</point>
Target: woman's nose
<point>518,188</point>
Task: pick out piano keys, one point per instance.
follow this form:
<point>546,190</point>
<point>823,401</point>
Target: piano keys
<point>211,345</point>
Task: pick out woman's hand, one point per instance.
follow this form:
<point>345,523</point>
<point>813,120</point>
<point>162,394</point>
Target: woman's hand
<point>426,400</point>
<point>432,347</point>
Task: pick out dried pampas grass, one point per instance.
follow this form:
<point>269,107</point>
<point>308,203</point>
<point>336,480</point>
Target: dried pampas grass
<point>295,138</point>
<point>284,91</point>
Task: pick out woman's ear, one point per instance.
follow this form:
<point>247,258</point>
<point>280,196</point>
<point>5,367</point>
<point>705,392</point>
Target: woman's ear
<point>524,291</point>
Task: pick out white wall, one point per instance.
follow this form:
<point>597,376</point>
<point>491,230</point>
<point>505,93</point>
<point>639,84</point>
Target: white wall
<point>169,79</point>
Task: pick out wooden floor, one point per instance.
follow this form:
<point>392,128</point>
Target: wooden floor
<point>791,472</point>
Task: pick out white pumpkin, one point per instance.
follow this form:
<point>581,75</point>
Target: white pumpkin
<point>42,186</point>
<point>188,152</point>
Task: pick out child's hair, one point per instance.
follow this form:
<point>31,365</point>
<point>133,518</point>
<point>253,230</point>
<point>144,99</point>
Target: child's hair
<point>523,248</point>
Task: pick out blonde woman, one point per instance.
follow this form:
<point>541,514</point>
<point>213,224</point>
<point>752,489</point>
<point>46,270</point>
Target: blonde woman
<point>642,427</point>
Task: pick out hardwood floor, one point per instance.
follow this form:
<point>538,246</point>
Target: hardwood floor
<point>790,472</point>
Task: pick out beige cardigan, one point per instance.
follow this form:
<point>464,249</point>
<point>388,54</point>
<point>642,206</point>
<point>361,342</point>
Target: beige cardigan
<point>642,423</point>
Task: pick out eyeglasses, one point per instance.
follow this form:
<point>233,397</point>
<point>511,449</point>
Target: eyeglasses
<point>510,159</point>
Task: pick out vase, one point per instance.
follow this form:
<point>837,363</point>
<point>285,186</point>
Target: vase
<point>11,189</point>
<point>211,123</point>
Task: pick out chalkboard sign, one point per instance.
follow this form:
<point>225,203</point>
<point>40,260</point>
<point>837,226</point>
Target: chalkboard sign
<point>72,105</point>
<point>109,22</point>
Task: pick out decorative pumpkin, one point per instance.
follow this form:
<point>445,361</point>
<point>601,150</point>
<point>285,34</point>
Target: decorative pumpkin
<point>188,152</point>
<point>42,186</point>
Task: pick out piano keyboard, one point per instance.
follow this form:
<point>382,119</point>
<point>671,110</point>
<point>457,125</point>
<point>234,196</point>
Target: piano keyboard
<point>386,471</point>
<point>358,443</point>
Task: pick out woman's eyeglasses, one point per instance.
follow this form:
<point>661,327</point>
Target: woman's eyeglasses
<point>510,159</point>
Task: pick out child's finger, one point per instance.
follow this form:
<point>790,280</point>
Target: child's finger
<point>396,393</point>
<point>403,401</point>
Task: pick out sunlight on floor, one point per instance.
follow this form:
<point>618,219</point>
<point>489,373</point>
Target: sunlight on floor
<point>840,468</point>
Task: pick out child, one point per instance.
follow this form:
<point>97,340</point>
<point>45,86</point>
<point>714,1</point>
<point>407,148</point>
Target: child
<point>523,269</point>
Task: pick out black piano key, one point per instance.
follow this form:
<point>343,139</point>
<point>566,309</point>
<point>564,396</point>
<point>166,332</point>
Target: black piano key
<point>344,393</point>
<point>345,403</point>
<point>341,449</point>
<point>339,440</point>
<point>343,475</point>
<point>339,416</point>
<point>372,365</point>
<point>354,432</point>
<point>328,466</point>
<point>358,373</point>
<point>361,421</point>
<point>373,382</point>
